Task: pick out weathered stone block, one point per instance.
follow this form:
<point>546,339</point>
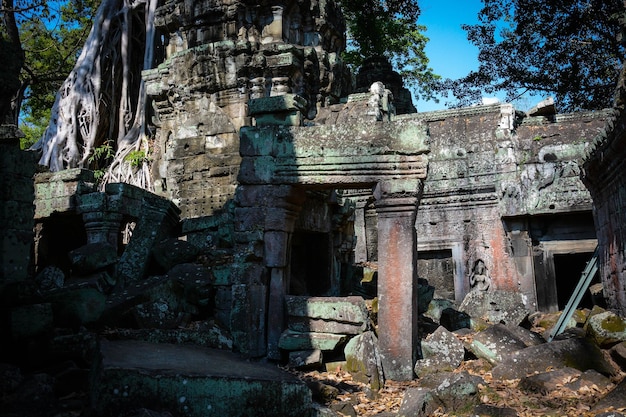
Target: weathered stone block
<point>441,351</point>
<point>92,257</point>
<point>350,309</point>
<point>290,340</point>
<point>193,381</point>
<point>363,360</point>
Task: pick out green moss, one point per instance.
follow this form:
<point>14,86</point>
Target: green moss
<point>613,324</point>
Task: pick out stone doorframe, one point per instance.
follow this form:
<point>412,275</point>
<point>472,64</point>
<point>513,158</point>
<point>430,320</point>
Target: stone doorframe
<point>279,163</point>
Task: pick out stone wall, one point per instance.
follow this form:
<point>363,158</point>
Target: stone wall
<point>218,55</point>
<point>16,207</point>
<point>503,195</point>
<point>604,175</point>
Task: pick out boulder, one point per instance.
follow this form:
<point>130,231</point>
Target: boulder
<point>441,351</point>
<point>606,328</point>
<point>363,360</point>
<point>495,343</point>
<point>452,392</point>
<point>496,306</point>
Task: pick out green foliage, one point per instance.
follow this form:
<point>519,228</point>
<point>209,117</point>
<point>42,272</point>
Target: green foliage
<point>136,158</point>
<point>568,49</point>
<point>100,159</point>
<point>390,29</point>
<point>52,35</point>
<point>33,128</point>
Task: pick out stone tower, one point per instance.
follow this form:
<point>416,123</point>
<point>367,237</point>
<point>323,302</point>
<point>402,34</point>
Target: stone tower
<point>219,54</point>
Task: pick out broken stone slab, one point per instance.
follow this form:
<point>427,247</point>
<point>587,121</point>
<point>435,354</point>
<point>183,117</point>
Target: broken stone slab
<point>173,251</point>
<point>590,378</point>
<point>192,381</point>
<point>92,257</point>
<point>546,382</point>
<point>577,353</point>
<point>606,328</point>
<point>350,309</point>
<point>615,398</point>
<point>495,343</point>
<point>306,359</point>
<point>363,360</point>
<point>505,307</point>
<point>452,392</point>
<point>290,340</point>
<point>441,351</point>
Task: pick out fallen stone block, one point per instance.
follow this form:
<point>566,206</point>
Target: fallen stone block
<point>495,343</point>
<point>606,328</point>
<point>442,351</point>
<point>192,381</point>
<point>363,360</point>
<point>577,353</point>
<point>495,306</point>
<point>348,310</point>
<point>546,382</point>
<point>290,340</point>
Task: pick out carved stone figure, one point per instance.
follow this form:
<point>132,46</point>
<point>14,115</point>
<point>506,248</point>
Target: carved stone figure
<point>479,278</point>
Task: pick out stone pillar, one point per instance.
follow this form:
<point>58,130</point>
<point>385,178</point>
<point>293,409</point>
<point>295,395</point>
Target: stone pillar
<point>101,224</point>
<point>279,225</point>
<point>396,205</point>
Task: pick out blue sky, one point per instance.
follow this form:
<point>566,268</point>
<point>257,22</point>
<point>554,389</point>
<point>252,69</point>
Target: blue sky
<point>450,53</point>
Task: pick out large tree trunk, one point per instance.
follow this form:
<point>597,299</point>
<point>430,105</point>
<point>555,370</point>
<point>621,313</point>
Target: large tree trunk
<point>12,58</point>
<point>103,100</point>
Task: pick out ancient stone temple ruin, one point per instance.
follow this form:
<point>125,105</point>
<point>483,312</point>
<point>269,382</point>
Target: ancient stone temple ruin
<point>286,189</point>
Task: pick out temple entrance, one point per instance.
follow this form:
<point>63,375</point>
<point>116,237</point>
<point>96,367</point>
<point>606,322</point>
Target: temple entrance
<point>437,266</point>
<point>567,271</point>
<point>310,264</point>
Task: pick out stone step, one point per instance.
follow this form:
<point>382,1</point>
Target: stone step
<point>193,381</point>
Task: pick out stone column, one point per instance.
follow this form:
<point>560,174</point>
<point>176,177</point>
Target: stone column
<point>279,225</point>
<point>396,206</point>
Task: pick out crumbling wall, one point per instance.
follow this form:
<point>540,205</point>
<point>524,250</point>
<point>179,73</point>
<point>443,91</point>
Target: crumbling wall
<point>218,56</point>
<point>604,176</point>
<point>17,195</point>
<point>500,189</point>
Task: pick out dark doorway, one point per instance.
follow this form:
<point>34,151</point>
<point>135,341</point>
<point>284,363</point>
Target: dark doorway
<point>437,267</point>
<point>568,269</point>
<point>310,264</point>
